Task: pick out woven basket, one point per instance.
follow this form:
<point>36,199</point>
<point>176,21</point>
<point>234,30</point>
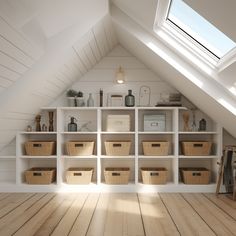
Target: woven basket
<point>79,175</point>
<point>152,175</point>
<point>38,175</point>
<point>116,175</point>
<point>80,148</point>
<point>155,148</point>
<point>117,148</point>
<point>199,148</point>
<point>40,148</point>
<point>195,175</point>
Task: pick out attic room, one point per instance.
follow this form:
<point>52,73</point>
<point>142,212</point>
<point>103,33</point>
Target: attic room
<point>117,117</point>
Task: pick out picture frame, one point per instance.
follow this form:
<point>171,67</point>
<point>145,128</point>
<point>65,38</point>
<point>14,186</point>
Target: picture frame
<point>115,100</point>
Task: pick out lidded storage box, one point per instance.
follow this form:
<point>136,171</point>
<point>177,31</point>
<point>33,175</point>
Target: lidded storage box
<point>80,148</point>
<point>155,122</point>
<point>196,148</point>
<point>40,175</point>
<point>117,148</point>
<point>118,175</point>
<point>40,148</point>
<point>79,175</point>
<point>118,123</point>
<point>155,148</point>
<point>195,175</point>
<point>152,175</point>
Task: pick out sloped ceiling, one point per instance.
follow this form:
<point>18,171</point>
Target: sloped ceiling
<point>39,76</point>
<point>207,92</point>
<point>47,45</point>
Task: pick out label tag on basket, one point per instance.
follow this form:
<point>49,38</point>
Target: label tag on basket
<point>154,174</point>
<point>37,145</point>
<point>156,144</point>
<point>198,145</point>
<point>116,144</point>
<point>37,174</point>
<point>77,174</point>
<point>196,174</point>
<point>79,145</point>
<point>115,174</point>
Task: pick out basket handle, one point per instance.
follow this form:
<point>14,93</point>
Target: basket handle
<point>115,174</point>
<point>77,174</point>
<point>154,124</point>
<point>79,144</point>
<point>37,174</point>
<point>154,174</point>
<point>198,145</point>
<point>156,144</point>
<point>116,144</point>
<point>196,174</point>
<point>37,145</point>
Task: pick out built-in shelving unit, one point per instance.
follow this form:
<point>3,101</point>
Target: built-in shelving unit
<point>92,126</point>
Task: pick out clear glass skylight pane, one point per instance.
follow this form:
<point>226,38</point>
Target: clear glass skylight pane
<point>200,29</point>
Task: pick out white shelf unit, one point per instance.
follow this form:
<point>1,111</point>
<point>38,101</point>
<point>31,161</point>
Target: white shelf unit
<point>95,130</point>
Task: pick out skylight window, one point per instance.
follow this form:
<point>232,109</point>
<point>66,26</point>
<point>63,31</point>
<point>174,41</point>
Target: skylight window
<point>199,29</point>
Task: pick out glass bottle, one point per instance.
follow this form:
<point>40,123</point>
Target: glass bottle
<point>129,99</point>
<point>101,98</point>
<point>90,101</point>
<point>202,125</point>
<point>72,126</point>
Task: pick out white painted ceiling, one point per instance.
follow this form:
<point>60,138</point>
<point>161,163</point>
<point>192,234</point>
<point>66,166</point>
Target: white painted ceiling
<point>47,45</point>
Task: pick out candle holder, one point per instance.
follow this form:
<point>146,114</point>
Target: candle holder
<point>38,126</point>
<point>50,128</point>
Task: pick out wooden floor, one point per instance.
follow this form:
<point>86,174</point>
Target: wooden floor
<point>118,214</point>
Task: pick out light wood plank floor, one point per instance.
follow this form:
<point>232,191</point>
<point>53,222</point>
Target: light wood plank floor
<point>116,214</point>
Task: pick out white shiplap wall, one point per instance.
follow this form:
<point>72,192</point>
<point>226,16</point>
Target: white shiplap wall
<point>19,111</point>
<point>102,75</point>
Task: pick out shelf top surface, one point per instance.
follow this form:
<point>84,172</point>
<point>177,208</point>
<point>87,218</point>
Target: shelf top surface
<point>115,108</point>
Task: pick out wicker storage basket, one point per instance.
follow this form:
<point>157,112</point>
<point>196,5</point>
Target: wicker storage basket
<point>38,175</point>
<point>116,175</point>
<point>195,175</point>
<point>155,148</point>
<point>196,148</point>
<point>79,175</point>
<point>117,148</point>
<point>80,148</point>
<point>152,175</point>
<point>40,148</point>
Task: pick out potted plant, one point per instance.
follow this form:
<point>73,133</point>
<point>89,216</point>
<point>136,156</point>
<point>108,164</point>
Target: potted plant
<point>80,99</point>
<point>71,96</point>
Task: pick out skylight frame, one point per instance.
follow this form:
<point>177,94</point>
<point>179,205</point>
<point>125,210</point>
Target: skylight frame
<point>162,25</point>
<point>197,34</point>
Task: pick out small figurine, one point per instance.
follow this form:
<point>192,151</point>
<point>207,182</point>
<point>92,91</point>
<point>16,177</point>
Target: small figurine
<point>186,120</point>
<point>38,126</point>
<point>29,128</point>
<point>44,128</point>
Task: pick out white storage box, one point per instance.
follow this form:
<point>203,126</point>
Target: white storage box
<point>118,123</point>
<point>154,122</point>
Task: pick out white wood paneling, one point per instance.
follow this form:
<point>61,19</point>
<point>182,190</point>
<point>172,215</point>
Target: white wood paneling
<point>11,35</point>
<point>14,52</point>
<point>9,74</point>
<point>12,64</point>
<point>5,83</point>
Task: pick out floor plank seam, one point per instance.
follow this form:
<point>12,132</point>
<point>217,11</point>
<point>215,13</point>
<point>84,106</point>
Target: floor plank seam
<point>198,214</point>
<point>63,215</point>
<point>78,214</point>
<point>144,230</point>
<point>93,214</point>
<point>35,201</point>
<point>4,197</point>
<point>17,206</point>
<point>169,213</point>
<point>219,207</point>
<point>35,213</point>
